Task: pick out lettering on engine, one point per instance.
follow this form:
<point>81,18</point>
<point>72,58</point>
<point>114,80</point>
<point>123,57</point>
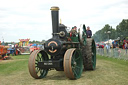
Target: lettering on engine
<point>48,63</point>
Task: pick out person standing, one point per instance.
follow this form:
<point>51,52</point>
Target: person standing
<point>126,47</point>
<point>107,48</point>
<point>89,32</point>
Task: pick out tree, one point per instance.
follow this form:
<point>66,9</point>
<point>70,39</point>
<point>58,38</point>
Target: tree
<point>120,31</point>
<point>102,34</point>
<point>43,41</point>
<point>122,28</point>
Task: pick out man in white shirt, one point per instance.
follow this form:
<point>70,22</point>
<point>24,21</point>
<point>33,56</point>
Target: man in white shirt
<point>107,48</point>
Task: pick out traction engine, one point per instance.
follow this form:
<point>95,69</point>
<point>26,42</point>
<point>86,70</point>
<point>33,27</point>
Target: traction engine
<point>71,52</point>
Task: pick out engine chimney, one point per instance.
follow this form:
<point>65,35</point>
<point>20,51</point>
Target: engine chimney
<point>55,20</point>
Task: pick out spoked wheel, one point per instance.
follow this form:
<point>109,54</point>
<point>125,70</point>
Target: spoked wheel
<point>73,63</point>
<point>89,54</point>
<point>35,57</point>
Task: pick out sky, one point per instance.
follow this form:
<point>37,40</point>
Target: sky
<point>22,19</point>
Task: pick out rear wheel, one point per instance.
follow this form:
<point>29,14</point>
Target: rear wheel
<point>73,63</point>
<point>89,54</point>
<point>35,57</point>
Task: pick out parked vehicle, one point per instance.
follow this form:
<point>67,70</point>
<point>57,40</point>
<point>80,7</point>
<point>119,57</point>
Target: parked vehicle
<point>33,48</point>
<point>13,50</point>
<point>3,52</point>
<point>24,50</point>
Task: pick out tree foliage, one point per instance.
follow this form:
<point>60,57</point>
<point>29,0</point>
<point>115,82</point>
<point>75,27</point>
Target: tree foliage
<point>37,42</point>
<point>120,31</point>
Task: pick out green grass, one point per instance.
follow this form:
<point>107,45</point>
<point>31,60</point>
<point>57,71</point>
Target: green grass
<point>109,71</point>
<point>17,63</point>
<point>117,70</point>
<point>21,57</point>
<point>118,61</point>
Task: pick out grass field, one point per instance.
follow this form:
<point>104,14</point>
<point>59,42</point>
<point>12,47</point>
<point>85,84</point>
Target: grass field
<point>109,71</point>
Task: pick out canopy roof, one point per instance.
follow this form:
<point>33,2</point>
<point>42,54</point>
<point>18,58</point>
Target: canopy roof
<point>24,40</point>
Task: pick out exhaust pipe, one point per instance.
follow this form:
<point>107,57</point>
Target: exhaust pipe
<point>55,20</point>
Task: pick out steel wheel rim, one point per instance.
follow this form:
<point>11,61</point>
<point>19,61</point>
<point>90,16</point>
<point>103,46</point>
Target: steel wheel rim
<point>35,57</point>
<point>73,64</point>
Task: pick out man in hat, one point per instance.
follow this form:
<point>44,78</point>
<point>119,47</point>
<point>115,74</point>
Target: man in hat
<point>89,32</point>
<point>73,31</point>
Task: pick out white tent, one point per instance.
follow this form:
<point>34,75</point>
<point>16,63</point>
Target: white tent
<point>109,41</point>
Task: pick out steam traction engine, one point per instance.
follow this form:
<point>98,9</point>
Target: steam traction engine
<point>70,52</point>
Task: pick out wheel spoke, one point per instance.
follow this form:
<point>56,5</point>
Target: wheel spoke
<point>37,70</point>
<point>74,54</point>
<point>75,73</point>
<point>36,60</point>
<point>77,67</point>
<point>77,58</point>
<point>41,71</point>
<point>39,57</point>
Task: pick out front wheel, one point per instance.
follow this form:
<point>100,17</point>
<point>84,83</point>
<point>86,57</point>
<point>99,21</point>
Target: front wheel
<point>73,63</point>
<point>36,57</point>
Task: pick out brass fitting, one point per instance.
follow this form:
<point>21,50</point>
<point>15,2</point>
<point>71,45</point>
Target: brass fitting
<point>54,8</point>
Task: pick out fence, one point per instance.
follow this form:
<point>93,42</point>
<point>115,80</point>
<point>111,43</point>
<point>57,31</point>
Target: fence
<point>114,52</point>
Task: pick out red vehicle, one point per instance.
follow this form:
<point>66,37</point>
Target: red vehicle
<point>3,52</point>
<point>32,48</point>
